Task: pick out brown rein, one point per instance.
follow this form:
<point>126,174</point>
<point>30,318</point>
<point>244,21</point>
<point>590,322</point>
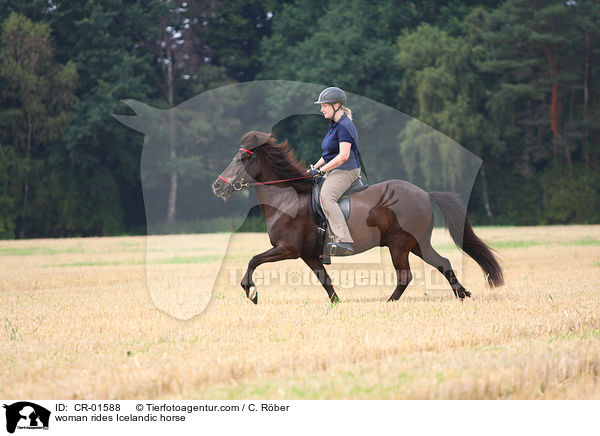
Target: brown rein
<point>241,184</point>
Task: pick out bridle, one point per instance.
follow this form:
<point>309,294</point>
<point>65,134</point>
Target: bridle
<point>240,184</point>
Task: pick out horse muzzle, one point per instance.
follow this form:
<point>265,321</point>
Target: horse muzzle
<point>221,189</point>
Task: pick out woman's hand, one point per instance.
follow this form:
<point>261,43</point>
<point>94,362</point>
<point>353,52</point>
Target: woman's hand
<point>316,166</point>
<point>314,170</point>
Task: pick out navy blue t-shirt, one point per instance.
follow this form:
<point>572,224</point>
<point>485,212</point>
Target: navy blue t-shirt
<point>342,131</point>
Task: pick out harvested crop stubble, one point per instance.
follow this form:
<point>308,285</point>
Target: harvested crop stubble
<point>78,322</point>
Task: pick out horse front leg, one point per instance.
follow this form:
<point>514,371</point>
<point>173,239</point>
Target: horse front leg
<point>272,255</point>
<point>319,269</point>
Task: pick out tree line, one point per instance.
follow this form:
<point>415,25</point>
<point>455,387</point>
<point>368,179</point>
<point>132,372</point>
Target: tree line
<point>513,81</point>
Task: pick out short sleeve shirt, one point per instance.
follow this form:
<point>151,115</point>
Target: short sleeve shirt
<point>342,131</point>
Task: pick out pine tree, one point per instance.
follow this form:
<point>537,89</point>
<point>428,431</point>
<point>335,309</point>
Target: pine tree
<point>37,93</point>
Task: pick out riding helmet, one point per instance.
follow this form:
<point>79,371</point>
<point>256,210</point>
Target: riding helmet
<point>332,95</point>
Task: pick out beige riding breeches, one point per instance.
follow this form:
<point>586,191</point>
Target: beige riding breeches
<point>337,181</point>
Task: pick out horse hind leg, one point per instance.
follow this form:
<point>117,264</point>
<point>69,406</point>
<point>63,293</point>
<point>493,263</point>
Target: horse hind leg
<point>426,252</point>
<point>404,276</point>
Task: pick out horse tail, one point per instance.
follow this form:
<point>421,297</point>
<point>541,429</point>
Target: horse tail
<point>455,215</point>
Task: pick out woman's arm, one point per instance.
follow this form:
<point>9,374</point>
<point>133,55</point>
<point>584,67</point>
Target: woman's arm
<point>319,164</point>
<point>342,157</point>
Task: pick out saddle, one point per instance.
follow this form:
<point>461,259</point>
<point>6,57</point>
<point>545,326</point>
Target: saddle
<point>319,216</point>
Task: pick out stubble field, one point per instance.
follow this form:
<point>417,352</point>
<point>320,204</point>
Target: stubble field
<point>78,321</point>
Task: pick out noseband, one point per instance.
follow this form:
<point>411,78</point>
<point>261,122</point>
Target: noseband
<point>239,184</point>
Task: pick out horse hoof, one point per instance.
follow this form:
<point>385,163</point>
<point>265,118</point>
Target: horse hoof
<point>461,294</point>
<point>252,294</point>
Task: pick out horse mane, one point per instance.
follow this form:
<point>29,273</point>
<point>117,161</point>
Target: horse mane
<point>279,157</point>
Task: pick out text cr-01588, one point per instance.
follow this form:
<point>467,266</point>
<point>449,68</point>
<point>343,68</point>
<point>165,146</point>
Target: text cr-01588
<point>95,407</point>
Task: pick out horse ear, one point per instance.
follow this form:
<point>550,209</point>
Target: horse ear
<point>254,141</point>
<point>144,120</point>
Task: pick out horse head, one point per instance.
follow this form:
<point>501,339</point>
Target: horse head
<point>241,166</point>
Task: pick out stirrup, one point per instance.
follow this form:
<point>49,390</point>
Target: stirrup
<point>341,249</point>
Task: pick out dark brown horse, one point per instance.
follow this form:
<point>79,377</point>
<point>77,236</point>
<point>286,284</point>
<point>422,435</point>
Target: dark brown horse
<point>395,213</point>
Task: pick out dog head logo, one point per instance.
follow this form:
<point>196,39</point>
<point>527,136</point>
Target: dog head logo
<point>26,415</point>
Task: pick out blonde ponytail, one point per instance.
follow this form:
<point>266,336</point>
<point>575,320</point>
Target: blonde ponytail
<point>347,111</point>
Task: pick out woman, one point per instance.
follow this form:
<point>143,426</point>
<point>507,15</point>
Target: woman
<point>339,163</point>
